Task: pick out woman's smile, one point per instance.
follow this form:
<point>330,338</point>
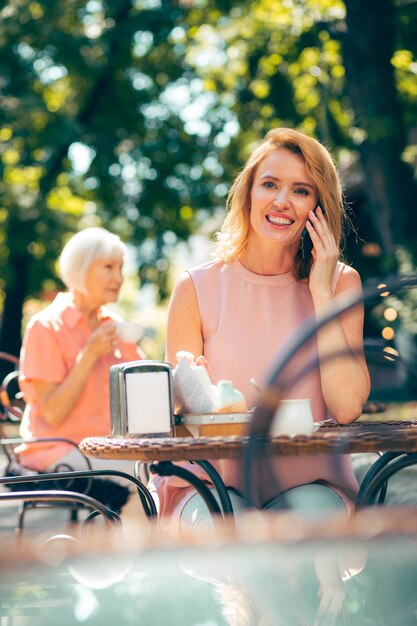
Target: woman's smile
<point>279,220</point>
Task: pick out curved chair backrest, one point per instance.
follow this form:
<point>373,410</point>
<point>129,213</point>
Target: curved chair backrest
<point>12,398</point>
<point>9,358</point>
<point>283,375</point>
<point>11,401</point>
<point>11,411</point>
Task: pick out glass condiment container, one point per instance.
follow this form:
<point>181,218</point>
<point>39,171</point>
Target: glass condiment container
<point>229,399</point>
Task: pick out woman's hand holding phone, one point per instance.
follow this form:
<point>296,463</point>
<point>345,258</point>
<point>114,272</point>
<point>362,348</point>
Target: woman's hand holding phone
<point>325,253</point>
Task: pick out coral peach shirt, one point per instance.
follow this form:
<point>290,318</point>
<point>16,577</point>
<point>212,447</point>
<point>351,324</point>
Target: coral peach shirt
<point>52,341</point>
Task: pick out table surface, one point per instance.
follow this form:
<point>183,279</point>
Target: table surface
<point>395,436</point>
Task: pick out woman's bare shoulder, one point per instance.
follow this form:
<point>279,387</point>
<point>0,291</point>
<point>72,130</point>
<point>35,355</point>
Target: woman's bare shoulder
<point>349,279</point>
<point>184,286</point>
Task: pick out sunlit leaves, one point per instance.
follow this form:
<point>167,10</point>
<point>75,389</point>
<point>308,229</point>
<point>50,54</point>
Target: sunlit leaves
<point>406,74</point>
<point>62,199</point>
<point>36,10</point>
<point>269,64</point>
<point>138,114</point>
<point>260,88</point>
<point>5,133</point>
<point>25,177</point>
<point>56,95</point>
<point>402,59</point>
<point>282,67</point>
<point>10,156</point>
<point>90,96</point>
<point>186,212</point>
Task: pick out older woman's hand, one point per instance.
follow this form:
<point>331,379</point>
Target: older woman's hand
<point>102,340</point>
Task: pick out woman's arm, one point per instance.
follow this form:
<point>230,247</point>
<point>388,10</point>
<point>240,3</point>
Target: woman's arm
<point>56,400</point>
<point>345,379</point>
<point>184,325</point>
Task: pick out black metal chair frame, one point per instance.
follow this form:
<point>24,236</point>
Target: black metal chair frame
<point>217,511</point>
<point>58,497</point>
<point>145,497</point>
<point>9,411</point>
<point>9,408</point>
<point>373,488</point>
<point>375,482</point>
<point>27,476</point>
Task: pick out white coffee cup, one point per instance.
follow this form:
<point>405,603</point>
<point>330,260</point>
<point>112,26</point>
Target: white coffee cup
<point>130,332</point>
<point>293,417</point>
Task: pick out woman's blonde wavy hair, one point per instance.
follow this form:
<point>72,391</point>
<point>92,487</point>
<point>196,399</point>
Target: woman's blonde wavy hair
<point>233,235</point>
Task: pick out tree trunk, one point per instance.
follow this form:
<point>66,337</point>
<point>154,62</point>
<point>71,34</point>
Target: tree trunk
<point>10,335</point>
<point>368,48</point>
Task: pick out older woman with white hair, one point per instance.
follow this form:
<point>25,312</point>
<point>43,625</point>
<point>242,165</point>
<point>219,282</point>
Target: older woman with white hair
<point>67,351</point>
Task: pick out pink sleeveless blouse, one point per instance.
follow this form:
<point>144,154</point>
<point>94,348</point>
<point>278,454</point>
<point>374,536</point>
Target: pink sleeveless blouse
<point>245,319</point>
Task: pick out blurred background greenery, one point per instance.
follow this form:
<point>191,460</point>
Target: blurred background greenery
<point>137,114</point>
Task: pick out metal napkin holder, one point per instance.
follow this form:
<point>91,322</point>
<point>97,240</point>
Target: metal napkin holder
<point>141,399</point>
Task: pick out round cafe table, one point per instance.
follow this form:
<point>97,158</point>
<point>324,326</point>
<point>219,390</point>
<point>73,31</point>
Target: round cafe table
<point>395,440</point>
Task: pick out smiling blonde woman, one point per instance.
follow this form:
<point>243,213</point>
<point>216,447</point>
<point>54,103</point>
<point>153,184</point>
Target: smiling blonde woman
<point>237,310</point>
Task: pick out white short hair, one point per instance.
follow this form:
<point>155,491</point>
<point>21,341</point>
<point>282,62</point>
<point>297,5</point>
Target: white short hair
<point>82,250</point>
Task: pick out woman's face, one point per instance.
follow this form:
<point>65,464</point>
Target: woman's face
<point>103,281</point>
<point>281,197</point>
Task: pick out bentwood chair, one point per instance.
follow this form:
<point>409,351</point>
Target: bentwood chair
<point>285,372</point>
<point>400,374</point>
<point>9,389</point>
<point>89,485</point>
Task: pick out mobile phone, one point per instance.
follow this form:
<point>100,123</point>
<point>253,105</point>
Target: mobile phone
<point>306,243</point>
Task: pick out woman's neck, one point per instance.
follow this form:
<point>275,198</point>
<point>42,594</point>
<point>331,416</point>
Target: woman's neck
<point>272,261</point>
<point>90,310</point>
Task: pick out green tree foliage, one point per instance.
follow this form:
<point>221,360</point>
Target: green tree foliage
<point>136,114</point>
<point>342,71</point>
<point>95,99</point>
